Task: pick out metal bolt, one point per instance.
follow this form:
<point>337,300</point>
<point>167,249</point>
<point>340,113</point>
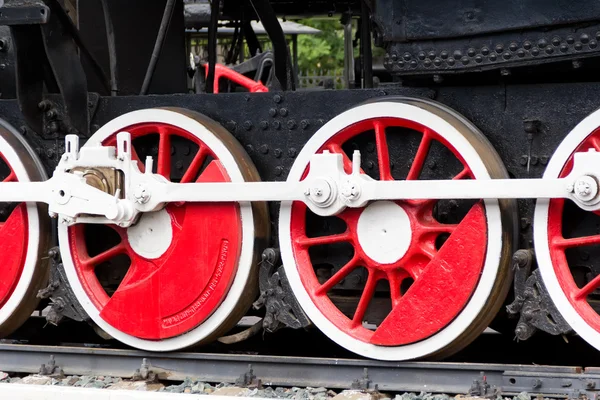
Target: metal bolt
<point>278,171</point>
<point>264,125</point>
<point>272,112</point>
<point>141,195</point>
<point>277,98</point>
<point>291,124</point>
<point>277,125</point>
<point>247,125</point>
<point>283,112</point>
<point>590,385</point>
<point>304,124</point>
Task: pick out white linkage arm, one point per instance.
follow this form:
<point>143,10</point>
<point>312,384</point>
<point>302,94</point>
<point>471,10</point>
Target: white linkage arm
<point>327,189</point>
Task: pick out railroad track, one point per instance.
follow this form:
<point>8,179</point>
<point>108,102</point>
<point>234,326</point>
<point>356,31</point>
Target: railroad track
<point>434,377</point>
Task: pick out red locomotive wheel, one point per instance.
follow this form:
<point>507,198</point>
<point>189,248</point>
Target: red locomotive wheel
<point>567,240</point>
<point>23,235</point>
<point>169,273</point>
<point>392,280</point>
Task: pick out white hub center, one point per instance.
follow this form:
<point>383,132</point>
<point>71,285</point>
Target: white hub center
<point>384,231</point>
<point>152,235</point>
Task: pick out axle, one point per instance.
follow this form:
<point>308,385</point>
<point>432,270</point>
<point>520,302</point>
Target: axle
<point>327,189</point>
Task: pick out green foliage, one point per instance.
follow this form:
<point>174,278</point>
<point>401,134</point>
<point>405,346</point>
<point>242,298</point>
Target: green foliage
<point>325,50</point>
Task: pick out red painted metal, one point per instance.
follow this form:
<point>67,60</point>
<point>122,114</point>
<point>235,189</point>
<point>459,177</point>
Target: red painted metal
<point>559,245</point>
<point>222,71</point>
<point>444,279</point>
<point>13,245</point>
<point>170,295</point>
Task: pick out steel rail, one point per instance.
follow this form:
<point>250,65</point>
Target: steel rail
<point>434,377</point>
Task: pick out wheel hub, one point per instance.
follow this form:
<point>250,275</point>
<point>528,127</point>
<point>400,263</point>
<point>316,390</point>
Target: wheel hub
<point>152,235</point>
<point>384,232</point>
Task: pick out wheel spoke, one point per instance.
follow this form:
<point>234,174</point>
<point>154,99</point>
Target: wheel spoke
<point>322,240</point>
<point>395,278</point>
<point>338,276</point>
<point>576,242</point>
<point>383,153</point>
<point>420,156</point>
<point>462,174</point>
<point>163,166</point>
<point>11,177</point>
<point>588,288</point>
<point>365,299</point>
<point>106,255</point>
<point>192,172</point>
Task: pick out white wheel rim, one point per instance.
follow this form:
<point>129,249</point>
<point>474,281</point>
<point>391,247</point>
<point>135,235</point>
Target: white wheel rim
<point>33,225</point>
<point>540,231</point>
<point>484,288</point>
<point>228,305</point>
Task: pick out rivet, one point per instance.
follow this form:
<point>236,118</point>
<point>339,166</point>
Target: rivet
<point>394,57</point>
<point>249,148</point>
<point>549,50</point>
<point>437,62</point>
<point>320,121</point>
<point>292,152</point>
<point>523,160</point>
<point>421,55</point>
<point>535,51</point>
<point>499,48</point>
<point>283,112</point>
<point>401,64</point>
<point>247,125</point>
<point>406,56</point>
<point>432,164</point>
<point>304,124</point>
<point>277,125</point>
<point>264,149</point>
<point>427,63</point>
<point>370,164</point>
<point>521,53</point>
<point>231,125</point>
<point>413,64</point>
<point>564,48</point>
<point>544,160</point>
<point>570,39</point>
<point>527,45</point>
<point>576,64</point>
<point>478,58</point>
<point>291,124</point>
<point>457,54</point>
<point>471,52</point>
<point>264,125</point>
<point>506,56</point>
<point>272,112</point>
<point>584,38</point>
<point>556,41</point>
<point>534,160</point>
<point>513,46</point>
<point>444,54</point>
<point>450,61</point>
<point>493,57</point>
<point>465,60</point>
<point>51,114</point>
<point>277,98</point>
<point>277,153</point>
<point>578,46</point>
<point>431,55</point>
<point>179,164</point>
<point>593,44</point>
<point>278,171</point>
<point>542,43</point>
<point>485,50</point>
